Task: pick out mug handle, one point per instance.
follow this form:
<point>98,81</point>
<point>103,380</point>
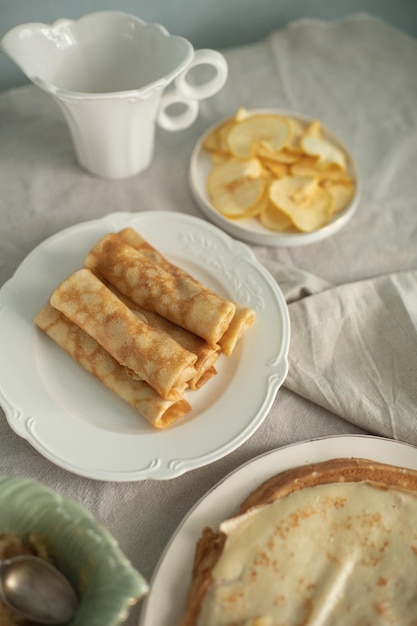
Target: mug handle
<point>188,95</point>
<point>210,87</point>
<point>180,121</point>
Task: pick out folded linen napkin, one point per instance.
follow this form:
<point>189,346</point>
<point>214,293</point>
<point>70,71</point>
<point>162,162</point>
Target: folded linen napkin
<point>354,350</point>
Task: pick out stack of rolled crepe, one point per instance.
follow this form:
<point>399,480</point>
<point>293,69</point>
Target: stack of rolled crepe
<point>243,317</point>
<point>144,327</point>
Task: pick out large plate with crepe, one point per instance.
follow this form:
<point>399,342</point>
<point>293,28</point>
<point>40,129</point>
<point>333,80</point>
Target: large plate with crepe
<point>166,600</point>
<point>75,422</point>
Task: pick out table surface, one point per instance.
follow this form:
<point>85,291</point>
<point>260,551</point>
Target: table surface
<point>350,297</point>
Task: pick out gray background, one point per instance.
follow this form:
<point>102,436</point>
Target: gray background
<point>206,23</point>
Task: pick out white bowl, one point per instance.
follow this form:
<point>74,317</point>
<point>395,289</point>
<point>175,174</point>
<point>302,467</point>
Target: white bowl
<point>250,229</point>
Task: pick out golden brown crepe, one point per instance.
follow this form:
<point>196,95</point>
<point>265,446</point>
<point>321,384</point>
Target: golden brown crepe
<point>93,358</point>
<point>181,300</point>
<point>148,353</point>
<point>243,317</point>
<point>206,355</point>
<point>134,239</point>
<point>326,543</point>
<point>242,320</point>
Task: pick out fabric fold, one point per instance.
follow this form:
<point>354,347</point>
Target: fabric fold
<point>354,352</point>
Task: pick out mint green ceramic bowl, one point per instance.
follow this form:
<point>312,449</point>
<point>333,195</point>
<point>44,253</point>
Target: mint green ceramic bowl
<point>106,582</point>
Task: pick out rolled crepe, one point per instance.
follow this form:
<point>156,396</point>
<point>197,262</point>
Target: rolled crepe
<point>243,317</point>
<point>149,354</point>
<point>92,357</point>
<point>206,355</point>
<point>242,320</point>
<point>208,373</point>
<point>181,300</point>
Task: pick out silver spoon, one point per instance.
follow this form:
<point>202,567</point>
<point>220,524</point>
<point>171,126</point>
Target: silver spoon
<point>37,590</point>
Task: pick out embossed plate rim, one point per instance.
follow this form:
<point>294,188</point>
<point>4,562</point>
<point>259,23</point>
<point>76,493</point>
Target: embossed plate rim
<point>73,421</point>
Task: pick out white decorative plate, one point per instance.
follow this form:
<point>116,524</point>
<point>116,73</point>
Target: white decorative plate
<point>166,600</point>
<point>75,422</point>
<point>250,229</point>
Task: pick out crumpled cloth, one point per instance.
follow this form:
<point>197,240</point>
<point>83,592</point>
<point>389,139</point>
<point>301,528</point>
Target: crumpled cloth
<point>354,348</point>
<point>352,297</point>
<point>354,352</point>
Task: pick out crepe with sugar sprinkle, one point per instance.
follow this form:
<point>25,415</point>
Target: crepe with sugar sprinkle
<point>325,543</point>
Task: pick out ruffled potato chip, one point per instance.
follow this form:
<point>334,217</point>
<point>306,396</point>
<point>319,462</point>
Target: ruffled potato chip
<point>219,157</point>
<point>303,200</point>
<point>284,155</point>
<point>327,153</point>
<point>310,166</point>
<point>271,130</point>
<point>242,114</point>
<point>215,141</point>
<point>313,129</point>
<point>235,187</point>
<point>252,152</point>
<point>296,132</point>
<point>274,219</point>
<point>276,168</point>
<point>342,194</point>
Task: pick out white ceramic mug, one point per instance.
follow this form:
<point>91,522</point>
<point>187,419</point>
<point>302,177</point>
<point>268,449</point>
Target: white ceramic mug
<point>114,77</point>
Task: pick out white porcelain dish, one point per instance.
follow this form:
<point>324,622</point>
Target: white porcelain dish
<point>107,72</point>
<point>222,501</point>
<point>75,422</point>
<point>250,229</point>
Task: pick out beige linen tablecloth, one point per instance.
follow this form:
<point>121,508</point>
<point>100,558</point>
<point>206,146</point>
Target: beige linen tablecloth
<point>352,298</point>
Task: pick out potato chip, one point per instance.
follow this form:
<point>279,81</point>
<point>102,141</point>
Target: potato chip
<point>309,166</point>
<point>242,114</point>
<point>279,169</point>
<point>215,141</point>
<point>327,153</point>
<point>211,141</point>
<point>263,202</point>
<point>301,198</point>
<point>314,129</point>
<point>236,186</point>
<point>276,168</point>
<point>296,132</point>
<point>244,137</point>
<point>272,218</point>
<point>281,156</point>
<point>219,157</point>
<point>342,194</point>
